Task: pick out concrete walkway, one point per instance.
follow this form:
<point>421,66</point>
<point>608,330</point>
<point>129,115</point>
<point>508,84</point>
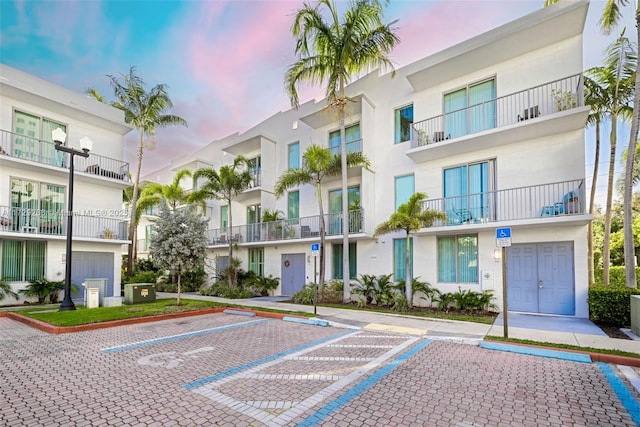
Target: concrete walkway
<point>437,327</point>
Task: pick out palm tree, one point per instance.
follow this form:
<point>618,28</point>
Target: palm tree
<point>333,52</point>
<point>173,193</point>
<point>616,78</point>
<point>142,205</point>
<point>318,164</point>
<point>6,290</point>
<point>146,111</point>
<point>410,217</point>
<point>595,97</point>
<point>610,17</point>
<point>225,185</point>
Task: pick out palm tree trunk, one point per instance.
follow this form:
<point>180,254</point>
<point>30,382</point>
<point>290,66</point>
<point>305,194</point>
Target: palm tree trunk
<point>629,250</point>
<point>134,202</point>
<point>232,278</point>
<point>346,274</point>
<point>179,283</point>
<point>407,272</point>
<point>322,239</point>
<point>594,180</point>
<point>606,250</point>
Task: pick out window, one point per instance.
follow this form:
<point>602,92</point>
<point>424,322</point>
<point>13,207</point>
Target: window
<point>458,259</point>
<point>23,260</point>
<point>256,261</point>
<point>148,231</point>
<point>293,154</point>
<point>293,205</point>
<point>36,206</point>
<point>405,187</point>
<point>254,171</point>
<point>467,191</point>
<point>254,216</point>
<point>400,258</point>
<point>334,223</point>
<point>470,109</point>
<point>352,139</point>
<point>402,121</point>
<point>224,217</point>
<point>337,260</point>
<point>33,140</point>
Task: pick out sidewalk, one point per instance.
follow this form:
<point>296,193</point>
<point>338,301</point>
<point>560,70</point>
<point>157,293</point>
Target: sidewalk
<point>441,328</point>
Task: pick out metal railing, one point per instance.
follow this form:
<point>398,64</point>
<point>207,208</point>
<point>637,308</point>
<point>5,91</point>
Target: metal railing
<point>44,152</point>
<point>352,147</point>
<point>287,229</point>
<point>538,201</point>
<point>255,173</point>
<point>545,99</point>
<point>54,223</point>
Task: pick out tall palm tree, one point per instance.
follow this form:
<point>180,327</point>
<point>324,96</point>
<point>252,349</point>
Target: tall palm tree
<point>225,185</point>
<point>142,205</point>
<point>617,79</point>
<point>333,51</point>
<point>146,111</point>
<point>611,15</point>
<point>410,217</point>
<point>595,97</point>
<point>319,164</point>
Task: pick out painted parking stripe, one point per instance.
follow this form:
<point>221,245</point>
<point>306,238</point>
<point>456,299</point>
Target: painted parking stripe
<point>323,413</point>
<point>237,369</point>
<point>155,341</point>
<point>533,351</point>
<point>619,387</point>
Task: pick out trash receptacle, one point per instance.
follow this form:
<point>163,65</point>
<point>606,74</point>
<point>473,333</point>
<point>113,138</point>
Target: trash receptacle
<point>93,298</point>
<point>136,293</point>
<point>100,284</point>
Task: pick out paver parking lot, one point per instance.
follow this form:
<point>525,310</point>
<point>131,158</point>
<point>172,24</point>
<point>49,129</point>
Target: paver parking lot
<point>234,370</point>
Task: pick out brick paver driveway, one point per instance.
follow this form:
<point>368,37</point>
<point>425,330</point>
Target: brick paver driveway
<point>232,370</point>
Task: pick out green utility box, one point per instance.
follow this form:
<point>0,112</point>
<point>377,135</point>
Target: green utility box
<point>137,293</point>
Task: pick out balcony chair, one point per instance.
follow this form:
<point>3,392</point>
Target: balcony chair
<point>439,136</point>
<point>529,113</point>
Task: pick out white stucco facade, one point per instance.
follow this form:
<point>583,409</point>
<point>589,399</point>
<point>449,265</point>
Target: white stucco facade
<point>34,184</point>
<point>527,135</point>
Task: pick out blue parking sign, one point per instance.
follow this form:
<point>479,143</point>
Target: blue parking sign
<point>315,247</point>
<point>503,233</point>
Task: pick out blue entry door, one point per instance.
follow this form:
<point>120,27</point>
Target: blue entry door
<point>540,278</point>
<point>292,273</point>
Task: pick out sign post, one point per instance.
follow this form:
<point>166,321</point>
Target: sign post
<point>503,240</point>
<point>315,250</point>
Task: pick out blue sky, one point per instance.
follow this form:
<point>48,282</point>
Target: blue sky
<point>224,61</point>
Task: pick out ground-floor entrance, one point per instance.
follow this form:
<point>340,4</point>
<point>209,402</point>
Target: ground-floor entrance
<point>540,278</point>
<point>91,265</point>
<point>292,276</point>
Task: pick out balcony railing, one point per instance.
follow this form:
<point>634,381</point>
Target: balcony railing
<point>44,152</point>
<point>352,147</point>
<point>255,173</point>
<point>287,229</point>
<point>546,99</point>
<point>558,199</point>
<point>54,223</point>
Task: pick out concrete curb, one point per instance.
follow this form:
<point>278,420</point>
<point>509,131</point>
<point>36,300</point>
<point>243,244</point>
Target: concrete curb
<point>51,329</point>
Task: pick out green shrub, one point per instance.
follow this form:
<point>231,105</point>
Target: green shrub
<point>617,276</point>
<point>333,292</point>
<point>306,295</point>
<point>611,305</point>
<point>223,290</point>
<point>263,285</point>
<point>192,281</point>
<point>143,277</point>
<point>46,290</point>
<point>6,290</point>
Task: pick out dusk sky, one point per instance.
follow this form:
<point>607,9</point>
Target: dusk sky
<point>224,61</point>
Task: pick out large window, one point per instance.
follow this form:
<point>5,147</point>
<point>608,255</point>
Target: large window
<point>255,165</point>
<point>467,191</point>
<point>458,259</point>
<point>33,140</point>
<point>481,114</point>
<point>334,223</point>
<point>352,139</point>
<point>224,217</point>
<point>254,216</point>
<point>405,187</point>
<point>402,121</point>
<point>400,258</point>
<point>23,260</point>
<point>293,205</point>
<point>293,155</point>
<point>36,206</point>
<point>337,261</point>
<point>256,261</point>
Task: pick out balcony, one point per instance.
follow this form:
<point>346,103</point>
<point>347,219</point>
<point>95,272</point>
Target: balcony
<point>536,112</point>
<point>22,147</point>
<point>43,224</point>
<point>287,229</point>
<point>557,201</point>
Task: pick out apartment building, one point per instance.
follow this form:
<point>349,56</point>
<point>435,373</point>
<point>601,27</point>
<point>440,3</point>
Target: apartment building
<point>491,129</point>
<point>34,185</point>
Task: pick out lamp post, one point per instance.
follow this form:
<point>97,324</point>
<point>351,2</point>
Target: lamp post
<point>59,137</point>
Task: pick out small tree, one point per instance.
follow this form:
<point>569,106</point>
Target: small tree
<point>179,242</point>
<point>410,217</point>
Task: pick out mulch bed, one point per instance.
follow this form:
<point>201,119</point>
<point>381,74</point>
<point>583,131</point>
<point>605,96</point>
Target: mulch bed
<point>613,331</point>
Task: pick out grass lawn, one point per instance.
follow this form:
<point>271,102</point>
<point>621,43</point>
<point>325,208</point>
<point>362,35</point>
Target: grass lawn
<point>84,316</point>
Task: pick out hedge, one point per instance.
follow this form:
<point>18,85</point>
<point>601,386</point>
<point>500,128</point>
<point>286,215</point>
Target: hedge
<point>611,305</point>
